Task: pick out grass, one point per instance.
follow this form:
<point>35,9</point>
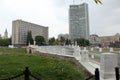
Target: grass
<point>48,68</point>
<point>20,50</point>
<point>116,50</point>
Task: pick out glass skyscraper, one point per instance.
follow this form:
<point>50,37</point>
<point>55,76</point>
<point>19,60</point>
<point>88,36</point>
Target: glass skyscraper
<point>78,21</point>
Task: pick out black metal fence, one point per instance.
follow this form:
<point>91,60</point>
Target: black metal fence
<point>97,75</point>
<point>117,73</point>
<point>26,73</point>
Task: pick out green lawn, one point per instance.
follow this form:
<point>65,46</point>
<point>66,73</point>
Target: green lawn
<point>48,68</point>
<point>11,50</point>
<point>116,50</point>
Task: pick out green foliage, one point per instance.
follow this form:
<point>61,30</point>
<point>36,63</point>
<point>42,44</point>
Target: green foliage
<point>29,38</point>
<point>52,41</point>
<point>56,42</point>
<point>67,42</point>
<point>5,42</point>
<point>40,40</point>
<point>82,42</point>
<point>98,1</point>
<point>62,40</point>
<point>48,68</point>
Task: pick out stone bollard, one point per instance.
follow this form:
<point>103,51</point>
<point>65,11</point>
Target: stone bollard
<point>108,63</point>
<point>111,50</point>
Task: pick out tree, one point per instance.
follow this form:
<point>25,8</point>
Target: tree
<point>56,42</point>
<point>29,38</point>
<point>40,40</point>
<point>62,40</point>
<point>67,42</point>
<point>82,42</point>
<point>5,42</point>
<point>52,41</point>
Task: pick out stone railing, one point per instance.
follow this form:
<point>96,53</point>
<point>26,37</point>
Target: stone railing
<point>106,62</point>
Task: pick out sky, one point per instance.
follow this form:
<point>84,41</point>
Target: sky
<point>104,19</point>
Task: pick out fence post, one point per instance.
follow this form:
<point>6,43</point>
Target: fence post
<point>27,73</point>
<point>97,76</point>
<point>117,73</point>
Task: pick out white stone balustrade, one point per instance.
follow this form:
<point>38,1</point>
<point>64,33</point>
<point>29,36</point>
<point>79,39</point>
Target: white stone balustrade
<point>108,61</point>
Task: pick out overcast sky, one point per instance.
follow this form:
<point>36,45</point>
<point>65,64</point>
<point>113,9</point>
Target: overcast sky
<point>104,19</point>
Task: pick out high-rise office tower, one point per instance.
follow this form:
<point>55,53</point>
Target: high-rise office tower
<point>78,21</point>
<point>20,29</point>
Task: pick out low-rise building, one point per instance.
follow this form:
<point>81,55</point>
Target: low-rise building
<point>94,40</point>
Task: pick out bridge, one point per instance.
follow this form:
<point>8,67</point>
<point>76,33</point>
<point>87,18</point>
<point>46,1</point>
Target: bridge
<point>105,62</point>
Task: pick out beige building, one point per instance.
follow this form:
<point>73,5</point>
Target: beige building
<point>20,29</point>
<point>105,40</point>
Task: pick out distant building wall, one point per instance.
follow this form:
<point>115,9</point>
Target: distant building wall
<point>20,29</point>
<point>105,40</point>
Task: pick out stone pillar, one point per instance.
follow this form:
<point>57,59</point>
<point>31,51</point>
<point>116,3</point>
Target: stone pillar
<point>76,51</point>
<point>119,59</point>
<point>75,43</point>
<point>29,44</point>
<point>100,49</point>
<point>69,45</point>
<point>108,63</point>
<point>73,46</point>
<point>84,56</point>
<point>85,49</point>
<point>92,49</point>
<point>34,42</point>
<point>63,51</point>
